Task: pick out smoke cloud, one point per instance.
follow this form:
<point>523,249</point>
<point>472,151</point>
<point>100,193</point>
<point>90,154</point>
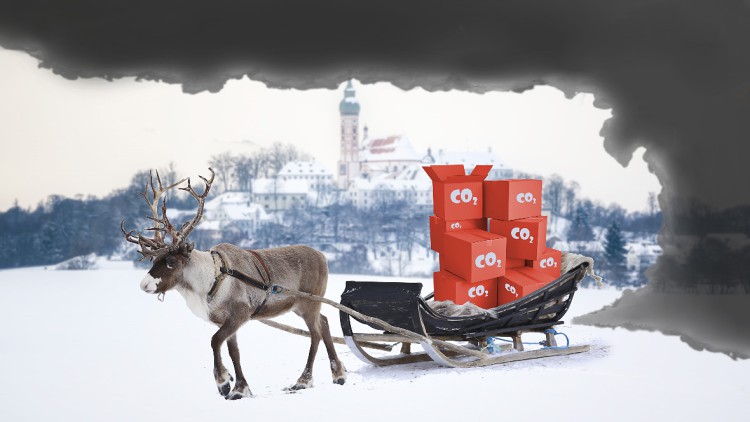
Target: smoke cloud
<point>675,72</point>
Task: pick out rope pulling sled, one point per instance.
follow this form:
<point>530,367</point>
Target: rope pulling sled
<point>405,318</point>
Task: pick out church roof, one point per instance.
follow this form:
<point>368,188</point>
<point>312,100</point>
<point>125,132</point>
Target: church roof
<point>349,105</point>
<point>391,148</point>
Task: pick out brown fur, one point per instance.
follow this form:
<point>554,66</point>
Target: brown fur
<point>296,267</point>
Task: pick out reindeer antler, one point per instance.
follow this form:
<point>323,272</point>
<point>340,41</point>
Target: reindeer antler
<point>153,247</point>
<point>188,226</point>
<point>160,223</point>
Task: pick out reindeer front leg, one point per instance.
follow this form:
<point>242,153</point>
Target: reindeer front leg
<point>221,375</point>
<point>240,390</point>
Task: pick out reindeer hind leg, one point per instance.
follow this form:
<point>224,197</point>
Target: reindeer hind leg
<point>310,314</point>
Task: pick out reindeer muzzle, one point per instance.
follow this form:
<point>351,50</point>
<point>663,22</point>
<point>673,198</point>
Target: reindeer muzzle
<point>149,284</point>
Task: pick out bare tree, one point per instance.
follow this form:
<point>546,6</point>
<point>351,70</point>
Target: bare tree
<point>247,167</point>
<point>223,165</point>
<point>278,154</point>
<point>553,193</point>
<point>571,192</point>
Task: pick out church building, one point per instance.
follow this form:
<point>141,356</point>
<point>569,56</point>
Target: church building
<point>390,163</point>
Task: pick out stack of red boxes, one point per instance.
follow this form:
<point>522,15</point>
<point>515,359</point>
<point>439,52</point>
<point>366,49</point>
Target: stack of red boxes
<point>488,265</point>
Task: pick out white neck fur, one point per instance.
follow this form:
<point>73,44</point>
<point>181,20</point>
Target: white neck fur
<point>199,274</point>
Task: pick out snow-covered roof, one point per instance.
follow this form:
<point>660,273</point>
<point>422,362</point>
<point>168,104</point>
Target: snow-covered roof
<point>234,206</point>
<point>269,186</point>
<point>304,168</point>
<point>243,212</point>
<point>212,204</point>
<point>414,172</point>
<point>390,148</point>
<point>228,198</point>
<point>469,159</point>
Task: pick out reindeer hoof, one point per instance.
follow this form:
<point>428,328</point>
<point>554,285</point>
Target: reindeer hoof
<point>224,388</point>
<point>340,380</point>
<point>240,393</point>
<point>299,386</point>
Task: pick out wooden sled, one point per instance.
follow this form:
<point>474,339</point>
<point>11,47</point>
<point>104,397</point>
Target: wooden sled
<point>406,318</point>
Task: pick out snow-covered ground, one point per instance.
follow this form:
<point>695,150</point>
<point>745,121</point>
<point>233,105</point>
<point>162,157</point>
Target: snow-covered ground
<point>90,346</point>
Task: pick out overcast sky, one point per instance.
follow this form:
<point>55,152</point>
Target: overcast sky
<point>90,136</point>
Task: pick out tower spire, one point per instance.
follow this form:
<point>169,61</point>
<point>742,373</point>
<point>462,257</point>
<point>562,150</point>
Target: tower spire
<point>348,168</point>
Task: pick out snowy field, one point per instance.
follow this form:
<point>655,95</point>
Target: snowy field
<point>90,346</point>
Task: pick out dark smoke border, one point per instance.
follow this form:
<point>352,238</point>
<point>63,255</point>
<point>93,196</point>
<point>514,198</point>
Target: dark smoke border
<point>674,72</point>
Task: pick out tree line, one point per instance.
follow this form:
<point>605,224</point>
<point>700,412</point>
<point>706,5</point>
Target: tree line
<point>61,228</point>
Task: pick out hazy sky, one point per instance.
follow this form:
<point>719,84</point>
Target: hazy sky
<point>90,136</point>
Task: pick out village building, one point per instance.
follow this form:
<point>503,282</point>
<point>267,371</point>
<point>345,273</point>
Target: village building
<point>315,174</point>
<point>642,255</point>
<point>235,210</point>
<point>386,156</point>
<point>366,193</point>
<point>277,194</point>
<point>389,167</point>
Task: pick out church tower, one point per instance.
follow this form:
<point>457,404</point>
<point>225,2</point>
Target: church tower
<point>348,168</point>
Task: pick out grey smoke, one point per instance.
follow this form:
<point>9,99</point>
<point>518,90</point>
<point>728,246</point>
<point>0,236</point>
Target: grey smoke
<point>675,72</point>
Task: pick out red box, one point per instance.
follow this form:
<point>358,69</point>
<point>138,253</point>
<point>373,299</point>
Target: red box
<point>438,228</point>
<point>451,287</point>
<point>514,263</point>
<point>537,275</point>
<point>512,199</point>
<point>455,195</point>
<point>549,262</point>
<point>515,285</point>
<point>527,237</point>
<point>474,254</point>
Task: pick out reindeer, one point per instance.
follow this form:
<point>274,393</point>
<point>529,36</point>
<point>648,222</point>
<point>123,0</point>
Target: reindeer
<point>208,280</point>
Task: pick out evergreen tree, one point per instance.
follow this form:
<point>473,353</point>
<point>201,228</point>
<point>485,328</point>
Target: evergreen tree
<point>614,254</point>
<point>580,227</point>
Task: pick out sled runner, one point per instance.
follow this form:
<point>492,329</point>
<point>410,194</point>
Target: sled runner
<point>401,306</point>
<point>406,318</point>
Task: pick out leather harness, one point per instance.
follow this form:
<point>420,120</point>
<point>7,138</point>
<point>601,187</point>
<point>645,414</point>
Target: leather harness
<point>265,285</point>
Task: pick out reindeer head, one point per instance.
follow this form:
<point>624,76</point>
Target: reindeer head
<point>168,259</point>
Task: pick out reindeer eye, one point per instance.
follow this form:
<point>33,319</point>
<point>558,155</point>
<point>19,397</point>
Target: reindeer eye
<point>171,262</point>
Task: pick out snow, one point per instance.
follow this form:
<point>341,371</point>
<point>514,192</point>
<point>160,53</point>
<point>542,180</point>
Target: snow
<point>89,346</point>
<point>267,186</point>
<point>229,206</point>
<point>471,159</point>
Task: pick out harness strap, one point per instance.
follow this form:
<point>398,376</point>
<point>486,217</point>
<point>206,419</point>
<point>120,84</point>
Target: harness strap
<point>219,277</point>
<point>265,274</point>
<point>264,285</point>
